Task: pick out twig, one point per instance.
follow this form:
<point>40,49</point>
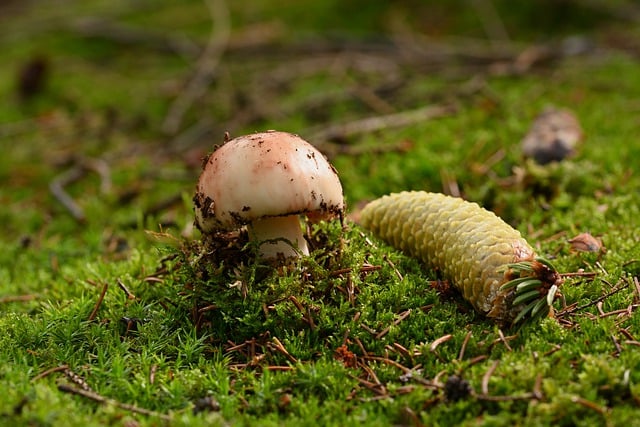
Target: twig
<point>396,322</point>
<point>279,347</point>
<point>537,388</point>
<point>127,35</point>
<point>395,269</point>
<point>18,298</point>
<point>376,388</point>
<point>49,372</point>
<point>526,396</point>
<point>403,350</point>
<point>57,189</point>
<point>365,268</point>
<point>77,379</point>
<point>504,339</point>
<point>306,312</point>
<point>152,374</point>
<point>388,361</point>
<point>361,346</point>
<point>106,401</point>
<point>103,170</point>
<point>127,292</point>
<point>207,63</point>
<point>594,302</point>
<point>94,312</point>
<point>616,343</point>
<point>602,410</point>
<point>463,347</point>
<point>491,21</point>
<point>487,376</point>
<point>75,173</point>
<point>369,329</point>
<point>434,345</point>
<point>626,333</point>
<point>344,131</point>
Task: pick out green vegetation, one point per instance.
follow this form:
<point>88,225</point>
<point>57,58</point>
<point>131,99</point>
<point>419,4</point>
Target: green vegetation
<point>113,311</point>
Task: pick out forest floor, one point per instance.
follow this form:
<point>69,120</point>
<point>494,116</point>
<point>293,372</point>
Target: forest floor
<point>114,312</point>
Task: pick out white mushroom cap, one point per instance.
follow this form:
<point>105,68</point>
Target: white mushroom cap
<point>266,175</point>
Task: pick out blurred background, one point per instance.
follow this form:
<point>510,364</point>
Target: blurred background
<point>109,106</point>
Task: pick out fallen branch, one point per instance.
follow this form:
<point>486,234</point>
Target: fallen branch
<point>343,131</point>
<point>207,63</point>
<point>106,401</point>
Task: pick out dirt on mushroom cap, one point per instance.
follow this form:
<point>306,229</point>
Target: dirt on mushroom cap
<point>265,174</point>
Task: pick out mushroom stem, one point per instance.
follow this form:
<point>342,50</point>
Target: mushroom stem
<point>279,235</point>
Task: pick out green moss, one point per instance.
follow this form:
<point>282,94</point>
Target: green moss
<point>357,333</point>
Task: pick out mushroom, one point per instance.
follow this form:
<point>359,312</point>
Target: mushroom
<point>266,181</point>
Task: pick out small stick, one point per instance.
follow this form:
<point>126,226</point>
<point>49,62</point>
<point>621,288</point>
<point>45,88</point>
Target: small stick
<point>351,290</point>
<point>235,347</point>
<point>371,374</point>
<point>628,310</point>
<point>306,313</point>
<point>96,27</point>
<point>57,186</point>
<point>283,350</point>
<point>477,359</point>
<point>396,322</point>
<point>49,372</point>
<point>395,269</point>
<point>594,302</point>
<point>504,340</point>
<point>77,379</point>
<point>391,362</point>
<point>207,308</point>
<point>124,288</point>
<point>152,374</point>
<point>487,376</point>
<point>377,123</point>
<point>616,344</point>
<point>537,388</point>
<point>207,63</point>
<point>378,389</point>
<point>93,314</point>
<point>491,22</point>
<point>363,269</point>
<point>105,401</point>
<point>555,348</point>
<point>364,351</point>
<point>636,285</point>
<point>369,329</point>
<point>463,348</point>
<point>526,396</point>
<point>402,350</point>
<point>345,337</point>
<point>434,345</point>
<point>626,333</point>
<point>590,405</point>
<point>57,189</point>
<point>17,298</point>
<point>579,274</point>
<point>280,368</point>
